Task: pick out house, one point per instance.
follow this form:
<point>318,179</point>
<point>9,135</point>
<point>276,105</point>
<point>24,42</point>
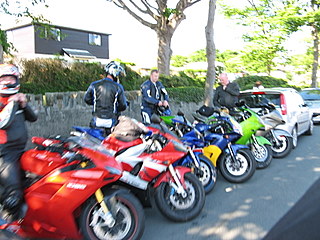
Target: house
<point>34,40</point>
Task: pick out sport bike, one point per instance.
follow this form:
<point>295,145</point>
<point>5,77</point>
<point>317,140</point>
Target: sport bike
<point>69,195</point>
<point>149,158</point>
<point>250,123</point>
<point>234,161</point>
<point>281,140</point>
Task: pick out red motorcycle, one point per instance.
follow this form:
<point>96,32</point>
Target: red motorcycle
<point>69,193</point>
<point>149,158</point>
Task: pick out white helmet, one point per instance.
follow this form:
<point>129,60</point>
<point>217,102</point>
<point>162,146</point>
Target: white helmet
<point>114,69</point>
<point>9,70</point>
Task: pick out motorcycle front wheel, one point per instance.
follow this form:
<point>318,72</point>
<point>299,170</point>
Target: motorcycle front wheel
<point>208,175</point>
<point>239,171</point>
<point>262,154</point>
<point>180,208</point>
<point>283,148</point>
<point>129,219</point>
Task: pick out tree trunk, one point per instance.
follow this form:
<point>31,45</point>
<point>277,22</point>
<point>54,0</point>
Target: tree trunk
<point>211,56</point>
<point>1,54</point>
<point>164,51</point>
<point>315,63</point>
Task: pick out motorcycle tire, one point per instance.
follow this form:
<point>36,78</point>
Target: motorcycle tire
<point>263,155</point>
<point>285,147</point>
<point>176,207</point>
<point>7,235</point>
<point>130,219</point>
<point>241,173</point>
<point>208,177</point>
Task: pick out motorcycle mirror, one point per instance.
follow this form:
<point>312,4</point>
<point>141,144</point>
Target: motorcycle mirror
<point>180,113</point>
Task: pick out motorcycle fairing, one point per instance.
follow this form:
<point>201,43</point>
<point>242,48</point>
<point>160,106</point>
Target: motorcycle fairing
<point>166,176</point>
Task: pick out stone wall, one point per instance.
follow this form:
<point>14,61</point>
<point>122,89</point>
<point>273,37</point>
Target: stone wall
<point>58,112</point>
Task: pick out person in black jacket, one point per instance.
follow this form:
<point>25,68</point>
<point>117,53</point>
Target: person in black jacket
<point>226,95</point>
<point>14,110</point>
<point>154,95</point>
<point>107,97</point>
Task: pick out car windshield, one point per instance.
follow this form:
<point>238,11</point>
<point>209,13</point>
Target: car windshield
<point>309,95</point>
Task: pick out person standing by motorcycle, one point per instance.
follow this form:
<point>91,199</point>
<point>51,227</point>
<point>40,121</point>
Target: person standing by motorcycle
<point>152,92</point>
<point>226,95</point>
<point>107,97</point>
<point>14,111</point>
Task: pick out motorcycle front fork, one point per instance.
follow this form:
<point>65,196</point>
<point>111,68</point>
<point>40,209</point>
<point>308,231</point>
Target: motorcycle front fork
<point>177,185</point>
<point>106,213</point>
<point>233,155</point>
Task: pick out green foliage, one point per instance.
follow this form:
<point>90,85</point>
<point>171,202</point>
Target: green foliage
<point>180,80</point>
<point>132,81</point>
<point>248,82</point>
<point>186,94</point>
<point>54,75</point>
<point>4,42</point>
<point>179,61</point>
<point>198,56</point>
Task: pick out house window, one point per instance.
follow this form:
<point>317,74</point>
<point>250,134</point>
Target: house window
<point>53,34</point>
<point>94,39</point>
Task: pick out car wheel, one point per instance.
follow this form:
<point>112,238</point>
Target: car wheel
<point>310,130</point>
<point>294,137</point>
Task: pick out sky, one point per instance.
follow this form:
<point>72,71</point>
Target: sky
<point>131,41</point>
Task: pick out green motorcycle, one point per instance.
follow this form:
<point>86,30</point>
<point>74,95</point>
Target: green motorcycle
<point>251,123</point>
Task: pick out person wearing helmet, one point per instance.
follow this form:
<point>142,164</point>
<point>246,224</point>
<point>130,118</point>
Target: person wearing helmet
<point>154,95</point>
<point>107,98</point>
<point>14,111</point>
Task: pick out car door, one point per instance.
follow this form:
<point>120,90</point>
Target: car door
<point>303,114</point>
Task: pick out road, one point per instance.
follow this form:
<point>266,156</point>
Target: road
<point>247,211</point>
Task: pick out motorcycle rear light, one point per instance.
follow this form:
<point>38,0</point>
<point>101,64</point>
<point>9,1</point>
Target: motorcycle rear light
<point>283,104</point>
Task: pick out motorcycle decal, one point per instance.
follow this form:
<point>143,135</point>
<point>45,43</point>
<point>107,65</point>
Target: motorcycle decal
<point>77,186</point>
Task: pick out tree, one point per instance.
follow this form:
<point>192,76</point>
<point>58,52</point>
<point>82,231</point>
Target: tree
<point>17,9</point>
<point>164,21</point>
<point>211,55</point>
<point>307,13</point>
<point>266,34</point>
<point>283,17</point>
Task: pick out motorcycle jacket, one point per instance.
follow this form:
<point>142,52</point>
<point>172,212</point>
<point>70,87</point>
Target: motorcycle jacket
<point>14,133</point>
<point>152,94</point>
<point>107,97</point>
<point>226,97</point>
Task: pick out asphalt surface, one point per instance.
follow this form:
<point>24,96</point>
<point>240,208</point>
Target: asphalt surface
<point>247,211</point>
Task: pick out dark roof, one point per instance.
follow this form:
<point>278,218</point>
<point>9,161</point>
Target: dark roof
<point>55,26</point>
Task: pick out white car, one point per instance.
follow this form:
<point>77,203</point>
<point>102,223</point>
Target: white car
<point>288,101</point>
<point>312,97</point>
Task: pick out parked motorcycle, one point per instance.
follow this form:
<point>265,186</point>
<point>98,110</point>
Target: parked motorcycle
<point>201,166</point>
<point>250,123</point>
<point>259,145</point>
<point>235,161</point>
<point>281,140</point>
<point>149,158</point>
<point>69,195</point>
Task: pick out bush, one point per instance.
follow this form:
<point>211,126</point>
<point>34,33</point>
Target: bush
<point>186,94</point>
<point>248,82</point>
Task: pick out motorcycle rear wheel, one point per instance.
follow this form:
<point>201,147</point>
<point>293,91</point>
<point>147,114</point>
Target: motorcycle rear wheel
<point>176,207</point>
<point>130,219</point>
<point>241,173</point>
<point>209,174</point>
